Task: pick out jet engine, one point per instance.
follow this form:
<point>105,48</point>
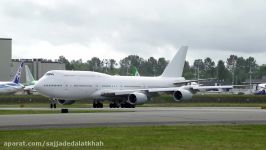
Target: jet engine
<point>137,98</point>
<point>66,102</point>
<point>182,95</point>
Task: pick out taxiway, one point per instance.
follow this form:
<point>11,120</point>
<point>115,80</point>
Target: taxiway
<point>136,116</point>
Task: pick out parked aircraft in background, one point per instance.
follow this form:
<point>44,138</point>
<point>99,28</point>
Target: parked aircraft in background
<point>256,88</point>
<point>260,89</point>
<point>30,82</point>
<point>11,87</point>
<point>195,87</point>
<point>134,71</point>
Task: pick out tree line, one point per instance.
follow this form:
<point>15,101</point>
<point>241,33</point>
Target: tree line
<point>234,70</point>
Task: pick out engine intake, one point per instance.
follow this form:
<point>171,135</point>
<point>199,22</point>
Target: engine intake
<point>137,98</point>
<point>66,102</point>
<point>182,95</point>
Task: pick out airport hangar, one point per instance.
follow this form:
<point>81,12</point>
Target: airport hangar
<point>8,66</point>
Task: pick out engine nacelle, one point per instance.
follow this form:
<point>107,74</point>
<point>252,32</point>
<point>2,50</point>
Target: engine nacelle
<point>66,102</point>
<point>182,95</point>
<point>137,98</point>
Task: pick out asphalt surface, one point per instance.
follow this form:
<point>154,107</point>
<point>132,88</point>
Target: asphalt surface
<point>136,117</point>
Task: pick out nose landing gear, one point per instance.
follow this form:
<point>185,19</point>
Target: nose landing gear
<point>53,103</point>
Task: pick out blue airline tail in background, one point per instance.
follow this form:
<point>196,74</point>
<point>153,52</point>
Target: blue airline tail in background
<point>18,74</point>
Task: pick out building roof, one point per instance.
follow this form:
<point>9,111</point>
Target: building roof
<point>37,60</point>
<point>5,38</point>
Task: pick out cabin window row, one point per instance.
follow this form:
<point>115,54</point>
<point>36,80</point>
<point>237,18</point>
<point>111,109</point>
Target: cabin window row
<point>82,85</point>
<point>53,85</point>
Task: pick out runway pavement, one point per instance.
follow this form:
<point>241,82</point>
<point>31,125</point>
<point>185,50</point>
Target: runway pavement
<point>137,116</point>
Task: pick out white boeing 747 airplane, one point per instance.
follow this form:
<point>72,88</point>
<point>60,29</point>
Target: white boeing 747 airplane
<point>11,87</point>
<point>122,91</point>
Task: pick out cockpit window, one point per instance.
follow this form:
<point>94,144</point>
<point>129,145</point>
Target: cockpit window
<point>49,74</point>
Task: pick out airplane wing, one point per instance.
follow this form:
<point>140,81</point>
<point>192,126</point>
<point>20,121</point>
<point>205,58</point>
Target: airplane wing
<point>111,93</point>
<point>189,81</point>
<point>239,86</point>
<point>212,87</point>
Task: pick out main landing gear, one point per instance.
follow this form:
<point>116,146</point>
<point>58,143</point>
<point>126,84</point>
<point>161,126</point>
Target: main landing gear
<point>97,104</point>
<point>53,103</point>
<point>114,105</point>
<point>127,105</point>
<point>122,105</point>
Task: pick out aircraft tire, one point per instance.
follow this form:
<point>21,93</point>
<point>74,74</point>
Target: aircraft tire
<point>100,105</point>
<point>111,105</point>
<point>122,105</point>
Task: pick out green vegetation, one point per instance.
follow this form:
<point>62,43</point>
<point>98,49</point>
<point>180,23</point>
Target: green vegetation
<point>234,68</point>
<point>57,111</point>
<point>148,137</point>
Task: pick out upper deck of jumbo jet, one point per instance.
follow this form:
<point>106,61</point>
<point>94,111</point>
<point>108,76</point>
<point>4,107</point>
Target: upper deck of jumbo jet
<point>69,73</point>
<point>91,74</point>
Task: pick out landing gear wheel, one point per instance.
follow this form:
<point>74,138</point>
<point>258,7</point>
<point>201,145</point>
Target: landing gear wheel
<point>111,105</point>
<point>53,103</point>
<point>100,105</point>
<point>114,105</point>
<point>122,105</point>
<point>127,105</point>
<point>97,104</point>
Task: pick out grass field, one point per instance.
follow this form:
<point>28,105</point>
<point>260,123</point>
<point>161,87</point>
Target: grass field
<point>244,137</point>
<point>57,111</point>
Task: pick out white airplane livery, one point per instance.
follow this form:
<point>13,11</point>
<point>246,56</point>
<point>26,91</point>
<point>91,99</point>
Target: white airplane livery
<point>122,91</point>
<point>11,87</point>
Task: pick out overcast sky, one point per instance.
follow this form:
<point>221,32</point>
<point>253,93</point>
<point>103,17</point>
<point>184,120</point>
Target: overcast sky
<point>117,28</point>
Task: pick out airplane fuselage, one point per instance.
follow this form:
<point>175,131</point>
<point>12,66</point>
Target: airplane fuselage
<point>9,87</point>
<point>75,85</point>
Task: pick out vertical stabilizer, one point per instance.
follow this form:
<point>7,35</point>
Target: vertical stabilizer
<point>134,71</point>
<point>29,77</point>
<point>175,67</point>
<point>18,74</point>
